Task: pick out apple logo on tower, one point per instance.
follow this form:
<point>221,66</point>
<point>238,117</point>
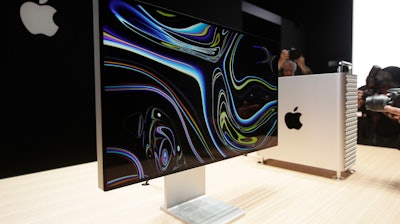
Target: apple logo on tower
<point>38,18</point>
<point>292,119</point>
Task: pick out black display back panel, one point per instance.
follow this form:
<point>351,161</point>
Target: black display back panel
<point>175,92</point>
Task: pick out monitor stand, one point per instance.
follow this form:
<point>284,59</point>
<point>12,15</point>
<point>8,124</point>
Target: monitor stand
<point>185,199</point>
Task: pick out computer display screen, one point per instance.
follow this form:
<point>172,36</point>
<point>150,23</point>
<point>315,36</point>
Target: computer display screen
<point>175,92</point>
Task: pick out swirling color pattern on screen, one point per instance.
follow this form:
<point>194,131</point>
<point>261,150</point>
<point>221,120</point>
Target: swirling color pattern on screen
<point>175,93</point>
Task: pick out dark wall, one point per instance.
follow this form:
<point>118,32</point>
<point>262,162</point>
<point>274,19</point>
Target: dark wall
<point>260,27</point>
<point>329,33</point>
<point>321,29</point>
<point>47,94</point>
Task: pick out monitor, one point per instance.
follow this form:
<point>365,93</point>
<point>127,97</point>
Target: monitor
<point>174,92</point>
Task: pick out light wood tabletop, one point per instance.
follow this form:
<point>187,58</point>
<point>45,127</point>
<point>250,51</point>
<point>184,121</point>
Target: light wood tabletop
<point>267,193</point>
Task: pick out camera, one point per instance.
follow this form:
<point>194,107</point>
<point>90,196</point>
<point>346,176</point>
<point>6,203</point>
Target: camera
<point>294,53</point>
<point>377,103</point>
<point>367,93</point>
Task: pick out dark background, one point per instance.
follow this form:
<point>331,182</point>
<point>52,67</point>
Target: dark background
<point>47,91</point>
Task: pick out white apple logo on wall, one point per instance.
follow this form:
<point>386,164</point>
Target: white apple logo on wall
<point>38,18</point>
<point>292,119</point>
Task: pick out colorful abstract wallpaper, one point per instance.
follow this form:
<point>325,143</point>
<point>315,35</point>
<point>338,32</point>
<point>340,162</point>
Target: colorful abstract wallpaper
<point>178,92</point>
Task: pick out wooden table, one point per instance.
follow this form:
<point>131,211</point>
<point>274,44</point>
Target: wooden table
<point>267,194</point>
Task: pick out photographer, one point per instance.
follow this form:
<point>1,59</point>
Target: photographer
<point>368,89</point>
<point>288,68</point>
<point>379,124</point>
<point>296,56</point>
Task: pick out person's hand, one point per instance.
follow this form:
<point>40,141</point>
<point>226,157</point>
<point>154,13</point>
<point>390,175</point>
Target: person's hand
<point>284,55</point>
<point>301,62</point>
<point>393,112</point>
<point>282,58</point>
